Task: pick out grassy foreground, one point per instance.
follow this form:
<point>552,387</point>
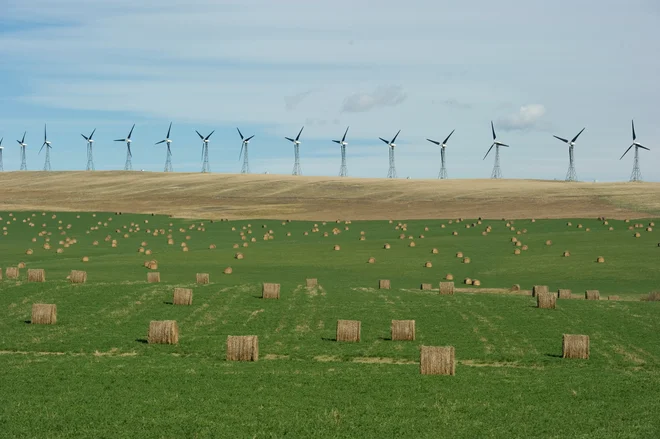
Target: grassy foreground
<point>92,375</point>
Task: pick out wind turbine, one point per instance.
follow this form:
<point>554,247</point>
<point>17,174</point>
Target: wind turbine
<point>205,151</point>
<point>392,171</point>
<point>497,173</point>
<point>90,155</point>
<point>443,171</point>
<point>48,146</point>
<point>342,144</point>
<point>296,152</point>
<point>129,156</point>
<point>23,145</point>
<point>636,173</point>
<point>245,169</point>
<point>167,141</point>
<point>570,175</point>
<point>2,167</point>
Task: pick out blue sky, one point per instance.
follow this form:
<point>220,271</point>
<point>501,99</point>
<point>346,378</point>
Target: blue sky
<point>535,68</point>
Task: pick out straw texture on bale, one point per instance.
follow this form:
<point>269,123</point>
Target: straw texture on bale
<point>371,260</point>
<point>44,314</point>
<point>567,254</point>
<point>21,265</point>
<point>538,289</point>
<point>228,270</point>
<point>592,295</point>
<point>203,278</point>
<point>426,287</point>
<point>12,272</point>
<point>36,275</point>
<point>311,283</point>
<point>449,276</point>
<point>78,277</point>
<point>403,330</point>
<point>386,246</point>
<point>428,264</point>
<point>384,284</point>
<point>348,330</point>
<point>239,256</point>
<point>242,348</point>
<point>476,282</point>
<point>575,346</point>
<point>437,360</point>
<point>270,291</point>
<point>336,247</point>
<point>182,296</point>
<point>153,277</point>
<point>163,332</point>
<point>515,287</point>
<point>467,281</point>
<point>447,288</point>
<point>546,301</point>
<point>600,259</point>
<point>564,294</point>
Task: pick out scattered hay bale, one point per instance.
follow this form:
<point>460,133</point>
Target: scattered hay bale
<point>466,260</point>
<point>649,229</point>
<point>566,254</point>
<point>514,239</point>
<point>153,277</point>
<point>548,242</point>
<point>519,244</point>
<point>348,330</point>
<point>270,291</point>
<point>428,264</point>
<point>467,281</point>
<point>403,330</point>
<point>563,293</point>
<point>476,282</point>
<point>421,236</point>
<point>592,295</point>
<point>459,254</point>
<point>652,297</point>
<point>447,288</point>
<point>147,252</point>
<point>637,234</point>
<point>426,287</point>
<point>454,233</point>
<point>613,298</point>
<point>163,332</point>
<point>371,260</point>
<point>516,251</point>
<point>336,248</point>
<point>12,272</point>
<point>29,251</point>
<point>386,246</point>
<point>515,287</point>
<point>44,314</point>
<point>449,276</point>
<point>85,258</point>
<point>539,289</point>
<point>412,244</point>
<point>242,348</point>
<point>524,248</point>
<point>202,278</point>
<point>546,301</point>
<point>384,284</point>
<point>311,283</point>
<point>36,275</point>
<point>78,277</point>
<point>600,259</point>
<point>238,255</point>
<point>21,265</point>
<point>575,346</point>
<point>182,296</point>
<point>228,270</point>
<point>434,251</point>
<point>437,360</point>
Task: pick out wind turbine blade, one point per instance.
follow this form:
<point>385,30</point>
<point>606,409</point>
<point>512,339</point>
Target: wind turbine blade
<point>395,136</point>
<point>560,138</point>
<point>130,154</point>
<point>445,141</point>
<point>337,141</point>
<point>384,140</point>
<point>504,144</point>
<point>19,142</point>
<point>250,138</point>
<point>207,137</point>
<point>85,137</point>
<point>241,153</point>
<point>131,132</point>
<point>23,141</point>
<point>577,135</point>
<point>120,140</point>
<point>200,136</point>
<point>168,130</point>
<point>289,139</point>
<point>239,133</point>
<point>633,130</point>
<point>300,132</point>
<point>626,151</point>
<point>92,135</point>
<point>42,147</point>
<point>643,147</point>
<point>492,127</point>
<point>1,141</point>
<point>158,143</point>
<point>346,132</point>
<point>45,136</point>
<point>491,147</point>
<point>434,141</point>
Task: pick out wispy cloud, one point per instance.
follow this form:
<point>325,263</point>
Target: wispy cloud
<point>292,102</point>
<point>383,96</point>
<point>528,117</point>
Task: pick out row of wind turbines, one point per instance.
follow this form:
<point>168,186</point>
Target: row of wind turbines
<point>571,174</point>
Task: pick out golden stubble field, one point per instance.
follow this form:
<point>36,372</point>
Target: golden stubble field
<point>237,196</point>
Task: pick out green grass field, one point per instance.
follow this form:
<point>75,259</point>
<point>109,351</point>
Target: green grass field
<point>93,375</point>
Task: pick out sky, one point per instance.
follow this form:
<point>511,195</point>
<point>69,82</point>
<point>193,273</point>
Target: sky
<point>534,68</point>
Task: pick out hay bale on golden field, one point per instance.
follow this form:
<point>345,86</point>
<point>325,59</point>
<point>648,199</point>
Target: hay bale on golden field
<point>539,289</point>
<point>311,283</point>
<point>403,330</point>
<point>437,360</point>
<point>546,301</point>
<point>270,291</point>
<point>426,287</point>
<point>182,296</point>
<point>447,288</point>
<point>202,278</point>
<point>163,332</point>
<point>44,314</point>
<point>348,330</point>
<point>592,295</point>
<point>575,346</point>
<point>564,293</point>
<point>613,298</point>
<point>515,287</point>
<point>36,275</point>
<point>153,277</point>
<point>228,270</point>
<point>384,284</point>
<point>242,348</point>
<point>78,277</point>
<point>12,272</point>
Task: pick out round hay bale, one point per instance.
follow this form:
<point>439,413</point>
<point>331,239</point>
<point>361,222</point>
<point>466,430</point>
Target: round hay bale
<point>515,287</point>
<point>626,220</point>
<point>518,244</point>
<point>371,260</point>
<point>288,233</point>
<point>228,270</point>
<point>387,246</point>
<point>484,233</point>
<point>649,229</point>
<point>476,282</point>
<point>428,264</point>
<point>35,239</point>
<point>454,233</point>
<point>587,229</point>
<point>466,260</point>
<point>421,236</point>
<point>637,235</point>
<point>183,244</point>
<point>459,254</point>
<point>29,251</point>
<point>141,250</point>
<point>569,224</point>
<point>411,237</point>
<point>187,237</point>
<point>362,238</point>
<point>516,251</point>
<point>147,252</point>
<point>336,248</point>
<point>85,259</point>
<point>442,226</point>
<point>61,250</point>
<point>238,255</point>
<point>566,254</point>
<point>21,265</point>
<point>185,249</point>
<point>600,259</point>
<point>426,229</point>
<point>524,247</point>
<point>254,240</point>
<point>143,243</point>
<point>611,228</point>
<point>434,251</point>
<point>579,226</point>
<point>467,281</point>
<point>402,236</point>
<point>46,246</point>
<point>449,276</point>
<point>548,242</point>
<point>412,244</point>
<point>306,233</point>
<point>212,247</point>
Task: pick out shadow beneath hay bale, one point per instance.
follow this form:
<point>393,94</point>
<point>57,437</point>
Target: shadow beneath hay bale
<point>27,322</point>
<point>168,303</point>
<point>329,339</point>
<point>554,355</point>
<point>385,338</point>
<point>142,340</point>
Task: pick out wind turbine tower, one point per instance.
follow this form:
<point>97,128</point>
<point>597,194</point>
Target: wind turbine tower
<point>128,166</point>
<point>23,145</point>
<point>570,174</point>
<point>497,172</point>
<point>342,144</point>
<point>391,173</point>
<point>443,170</point>
<point>90,156</point>
<point>205,152</point>
<point>167,141</point>
<point>245,169</point>
<point>296,152</point>
<point>636,172</point>
<point>2,167</point>
<point>48,146</point>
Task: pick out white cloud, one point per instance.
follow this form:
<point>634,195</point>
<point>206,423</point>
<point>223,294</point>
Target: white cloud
<point>528,117</point>
<point>383,96</point>
<point>292,102</point>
